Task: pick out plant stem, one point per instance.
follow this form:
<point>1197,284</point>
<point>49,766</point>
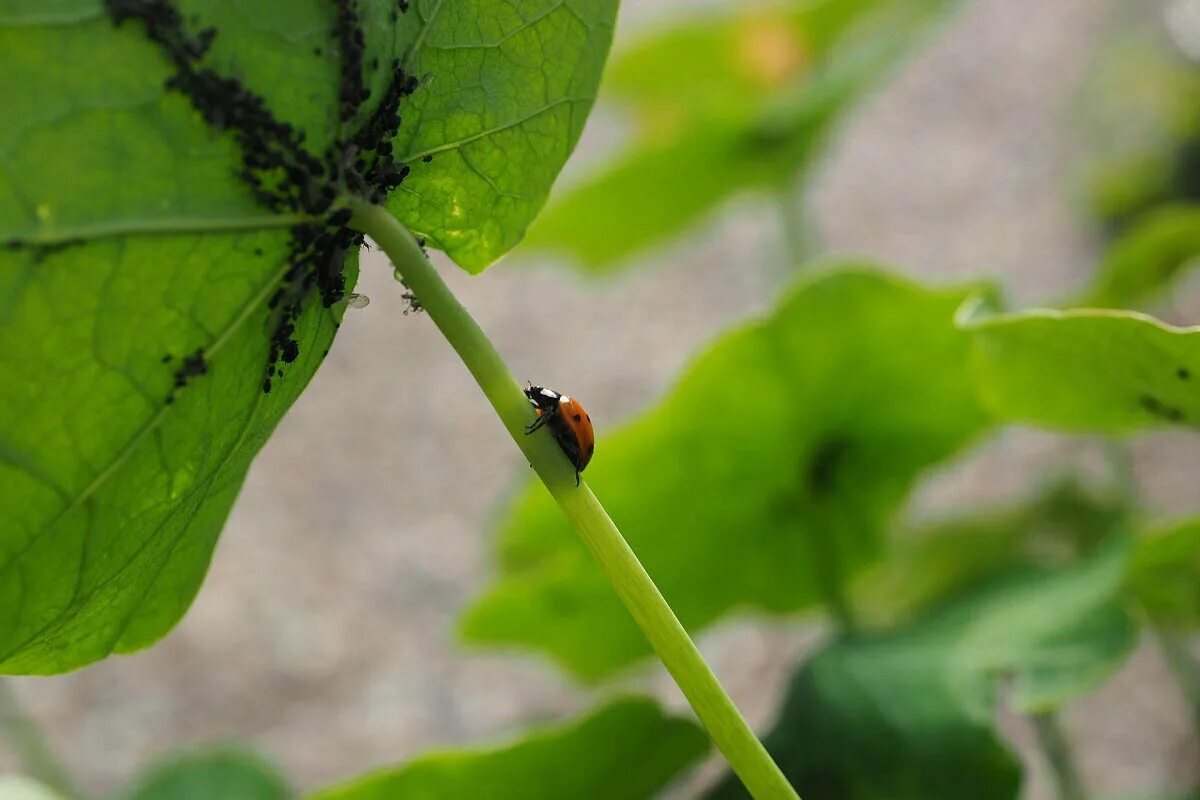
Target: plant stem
<point>39,760</point>
<point>1181,665</point>
<point>725,725</point>
<point>1119,455</point>
<point>798,236</point>
<point>830,577</point>
<point>1058,754</point>
<point>1183,668</point>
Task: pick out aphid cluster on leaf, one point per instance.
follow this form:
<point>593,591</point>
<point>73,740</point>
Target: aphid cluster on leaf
<point>282,174</point>
<point>192,366</point>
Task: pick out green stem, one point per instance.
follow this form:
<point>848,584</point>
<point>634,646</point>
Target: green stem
<point>1183,668</point>
<point>39,760</point>
<point>831,579</point>
<point>746,755</point>
<point>799,238</point>
<point>1054,746</point>
<point>1120,460</point>
<point>1181,665</point>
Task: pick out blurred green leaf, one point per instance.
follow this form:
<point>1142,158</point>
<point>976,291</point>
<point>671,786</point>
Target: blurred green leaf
<point>130,239</point>
<point>18,787</point>
<point>1164,573</point>
<point>226,773</point>
<point>1141,117</point>
<point>909,715</point>
<point>1086,370</point>
<point>650,193</point>
<point>740,100</point>
<point>769,472</point>
<point>1147,258</point>
<point>627,750</point>
<point>925,565</point>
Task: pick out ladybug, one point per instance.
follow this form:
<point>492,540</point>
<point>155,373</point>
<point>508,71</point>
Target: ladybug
<point>568,423</point>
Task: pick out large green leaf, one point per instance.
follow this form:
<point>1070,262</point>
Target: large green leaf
<point>225,773</point>
<point>137,256</point>
<point>1086,370</point>
<point>1164,573</point>
<point>924,565</point>
<point>1141,123</point>
<point>1147,258</point>
<point>908,715</point>
<point>771,469</point>
<point>627,750</point>
<point>506,87</point>
<point>734,101</point>
<point>112,497</point>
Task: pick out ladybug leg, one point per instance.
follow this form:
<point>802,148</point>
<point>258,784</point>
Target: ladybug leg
<point>576,477</point>
<point>542,419</point>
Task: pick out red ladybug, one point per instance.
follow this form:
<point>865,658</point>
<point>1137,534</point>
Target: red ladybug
<point>568,423</point>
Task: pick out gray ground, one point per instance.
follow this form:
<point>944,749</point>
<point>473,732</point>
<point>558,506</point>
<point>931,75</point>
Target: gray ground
<point>324,631</point>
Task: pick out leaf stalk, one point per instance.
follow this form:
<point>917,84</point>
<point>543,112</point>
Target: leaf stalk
<point>27,740</point>
<point>716,711</point>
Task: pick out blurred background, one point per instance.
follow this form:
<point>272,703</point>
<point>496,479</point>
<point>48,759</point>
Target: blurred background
<point>324,634</point>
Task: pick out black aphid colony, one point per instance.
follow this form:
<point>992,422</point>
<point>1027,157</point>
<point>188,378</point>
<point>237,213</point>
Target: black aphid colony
<point>282,174</point>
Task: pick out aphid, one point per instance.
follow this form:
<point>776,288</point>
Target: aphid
<point>281,173</point>
<point>567,422</point>
<point>355,300</point>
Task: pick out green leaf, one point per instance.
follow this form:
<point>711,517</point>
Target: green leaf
<point>18,787</point>
<point>500,109</point>
<point>1086,370</point>
<point>771,469</point>
<point>227,773</point>
<point>650,193</point>
<point>113,498</point>
<point>925,565</point>
<point>1147,258</point>
<point>1164,573</point>
<point>909,715</point>
<point>736,101</point>
<point>511,86</point>
<point>130,238</point>
<point>627,750</point>
<point>1140,124</point>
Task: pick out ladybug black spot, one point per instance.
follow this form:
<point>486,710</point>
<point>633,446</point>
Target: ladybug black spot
<point>578,418</point>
